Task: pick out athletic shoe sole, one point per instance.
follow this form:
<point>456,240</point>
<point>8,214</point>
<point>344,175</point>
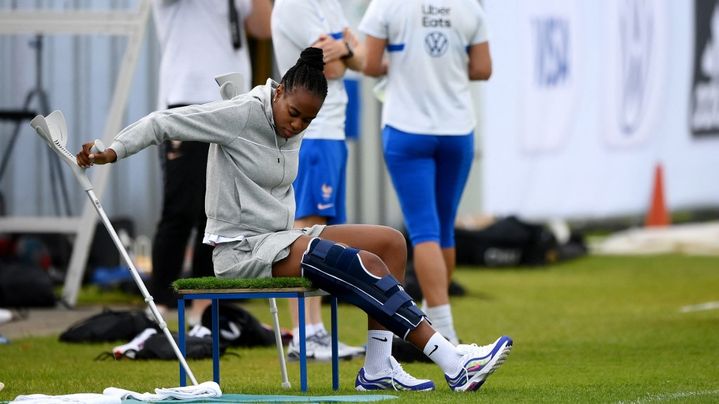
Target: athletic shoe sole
<point>295,357</point>
<point>362,383</point>
<point>313,359</point>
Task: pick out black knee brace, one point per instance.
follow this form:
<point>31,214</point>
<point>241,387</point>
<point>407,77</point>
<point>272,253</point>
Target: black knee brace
<point>339,270</point>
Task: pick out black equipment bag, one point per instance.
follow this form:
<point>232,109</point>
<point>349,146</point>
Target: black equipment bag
<point>507,242</point>
<point>25,285</point>
<point>157,347</point>
<point>238,327</point>
<point>108,326</point>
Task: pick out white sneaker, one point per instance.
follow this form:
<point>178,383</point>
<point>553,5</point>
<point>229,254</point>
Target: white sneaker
<point>319,348</point>
<point>315,350</point>
<point>478,362</point>
<point>344,351</point>
<point>199,331</point>
<point>392,378</point>
<point>131,348</point>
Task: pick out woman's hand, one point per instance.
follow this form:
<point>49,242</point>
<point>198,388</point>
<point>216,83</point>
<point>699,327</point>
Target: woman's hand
<point>87,158</point>
<point>331,49</point>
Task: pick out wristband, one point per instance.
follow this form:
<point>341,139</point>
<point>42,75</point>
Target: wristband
<point>349,52</point>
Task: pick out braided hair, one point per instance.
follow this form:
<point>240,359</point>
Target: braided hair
<point>307,73</point>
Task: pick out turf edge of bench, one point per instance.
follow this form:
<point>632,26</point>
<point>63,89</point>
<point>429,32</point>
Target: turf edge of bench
<point>211,282</point>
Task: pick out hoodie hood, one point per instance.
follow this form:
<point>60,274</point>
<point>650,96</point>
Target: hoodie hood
<point>264,94</point>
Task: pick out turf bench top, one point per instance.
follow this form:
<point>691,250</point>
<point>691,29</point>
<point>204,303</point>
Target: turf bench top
<point>216,285</point>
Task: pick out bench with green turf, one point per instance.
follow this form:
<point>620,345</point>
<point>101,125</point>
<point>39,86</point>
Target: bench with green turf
<point>216,289</point>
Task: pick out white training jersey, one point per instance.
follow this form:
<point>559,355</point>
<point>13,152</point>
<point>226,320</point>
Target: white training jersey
<point>297,24</point>
<point>428,88</point>
<point>196,46</point>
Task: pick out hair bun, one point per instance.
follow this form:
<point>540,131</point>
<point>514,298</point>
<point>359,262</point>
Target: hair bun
<point>312,57</point>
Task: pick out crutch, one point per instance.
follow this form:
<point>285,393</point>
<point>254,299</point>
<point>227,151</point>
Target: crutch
<point>53,130</point>
<point>278,341</point>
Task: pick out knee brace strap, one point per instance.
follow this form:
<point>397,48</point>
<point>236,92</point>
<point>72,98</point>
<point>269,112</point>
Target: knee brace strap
<point>339,270</point>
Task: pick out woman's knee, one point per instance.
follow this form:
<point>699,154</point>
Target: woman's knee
<point>373,264</point>
<point>395,245</point>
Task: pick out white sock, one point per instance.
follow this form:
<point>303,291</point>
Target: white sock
<point>441,319</point>
<point>379,349</point>
<point>443,353</point>
<point>310,330</point>
<point>320,328</point>
<point>193,321</point>
<point>5,316</point>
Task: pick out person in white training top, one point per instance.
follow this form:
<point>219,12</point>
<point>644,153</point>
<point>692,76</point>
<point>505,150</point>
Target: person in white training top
<point>320,187</point>
<point>429,50</point>
<point>198,41</point>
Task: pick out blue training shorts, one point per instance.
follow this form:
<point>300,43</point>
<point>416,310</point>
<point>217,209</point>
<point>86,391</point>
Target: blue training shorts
<point>429,173</point>
<point>320,183</point>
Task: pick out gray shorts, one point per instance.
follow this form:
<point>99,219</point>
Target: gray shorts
<point>253,256</point>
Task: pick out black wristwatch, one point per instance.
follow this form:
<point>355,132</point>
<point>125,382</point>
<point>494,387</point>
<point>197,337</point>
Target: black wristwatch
<point>349,52</point>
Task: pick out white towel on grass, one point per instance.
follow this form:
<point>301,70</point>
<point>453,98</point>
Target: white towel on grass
<point>202,390</point>
<point>79,398</point>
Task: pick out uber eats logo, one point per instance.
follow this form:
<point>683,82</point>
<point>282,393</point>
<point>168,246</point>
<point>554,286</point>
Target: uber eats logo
<point>436,43</point>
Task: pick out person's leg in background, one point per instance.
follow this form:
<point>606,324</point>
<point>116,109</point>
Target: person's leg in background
<point>201,253</point>
<point>454,163</point>
<point>411,164</point>
<point>184,166</point>
<point>320,196</point>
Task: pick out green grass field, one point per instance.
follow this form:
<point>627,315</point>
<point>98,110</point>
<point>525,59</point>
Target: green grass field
<point>599,329</point>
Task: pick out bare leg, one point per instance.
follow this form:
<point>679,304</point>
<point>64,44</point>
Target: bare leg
<point>431,266</point>
<point>431,269</point>
<point>198,307</point>
<point>383,252</point>
<point>313,304</point>
<point>450,261</point>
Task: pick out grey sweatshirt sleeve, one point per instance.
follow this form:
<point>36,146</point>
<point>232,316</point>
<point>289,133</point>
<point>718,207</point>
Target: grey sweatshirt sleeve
<point>216,122</point>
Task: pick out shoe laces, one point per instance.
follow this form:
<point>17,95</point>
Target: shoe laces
<point>315,342</point>
<point>322,338</point>
<point>318,339</point>
<point>326,339</point>
<point>398,373</point>
<point>474,349</point>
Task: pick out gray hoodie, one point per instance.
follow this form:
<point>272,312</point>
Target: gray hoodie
<point>250,169</point>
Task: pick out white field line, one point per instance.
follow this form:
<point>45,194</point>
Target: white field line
<point>672,396</point>
<point>700,307</point>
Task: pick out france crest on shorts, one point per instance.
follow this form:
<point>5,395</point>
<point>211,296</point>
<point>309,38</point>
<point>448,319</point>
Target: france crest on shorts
<point>327,198</point>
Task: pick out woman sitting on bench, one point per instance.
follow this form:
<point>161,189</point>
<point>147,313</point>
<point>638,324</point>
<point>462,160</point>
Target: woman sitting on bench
<point>254,145</point>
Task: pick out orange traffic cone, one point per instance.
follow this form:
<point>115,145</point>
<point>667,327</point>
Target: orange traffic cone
<point>658,216</point>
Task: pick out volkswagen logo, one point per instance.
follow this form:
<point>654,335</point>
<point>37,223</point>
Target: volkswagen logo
<point>637,34</point>
<point>436,43</point>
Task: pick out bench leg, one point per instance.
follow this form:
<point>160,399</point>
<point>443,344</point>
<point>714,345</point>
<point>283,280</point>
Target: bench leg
<point>303,341</point>
<point>181,336</point>
<point>215,307</point>
<point>335,345</point>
